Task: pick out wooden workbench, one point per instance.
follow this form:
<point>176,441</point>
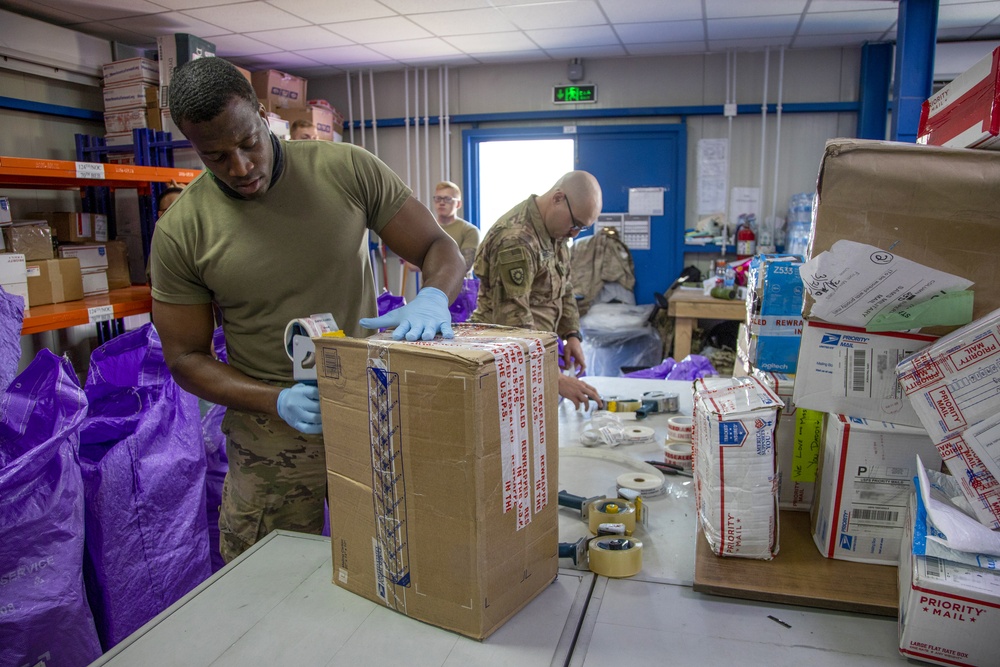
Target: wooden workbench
<point>798,575</point>
<point>688,306</point>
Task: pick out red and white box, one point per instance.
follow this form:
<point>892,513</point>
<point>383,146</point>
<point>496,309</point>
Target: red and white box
<point>735,470</point>
<point>865,479</point>
<point>955,382</point>
<point>949,613</point>
<point>971,457</point>
<point>966,112</point>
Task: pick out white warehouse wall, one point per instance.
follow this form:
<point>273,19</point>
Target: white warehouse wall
<point>827,75</point>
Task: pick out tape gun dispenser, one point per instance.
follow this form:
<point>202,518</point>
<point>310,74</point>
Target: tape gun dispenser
<point>299,346</point>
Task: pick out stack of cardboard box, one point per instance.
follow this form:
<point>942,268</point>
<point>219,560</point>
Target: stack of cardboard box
<point>130,98</point>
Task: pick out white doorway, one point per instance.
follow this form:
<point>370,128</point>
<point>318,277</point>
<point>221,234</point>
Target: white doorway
<point>509,171</point>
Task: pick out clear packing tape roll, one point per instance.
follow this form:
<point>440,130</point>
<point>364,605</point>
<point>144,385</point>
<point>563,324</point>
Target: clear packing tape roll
<point>607,428</point>
<point>310,327</point>
<point>647,486</point>
<point>612,510</point>
<point>615,556</point>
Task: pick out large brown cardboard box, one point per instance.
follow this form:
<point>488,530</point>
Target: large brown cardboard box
<point>118,269</point>
<point>933,205</point>
<point>69,226</point>
<point>442,471</point>
<point>318,116</point>
<point>31,238</point>
<point>283,91</point>
<point>54,281</point>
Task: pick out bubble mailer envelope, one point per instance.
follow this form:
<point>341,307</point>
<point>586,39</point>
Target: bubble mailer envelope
<point>735,468</point>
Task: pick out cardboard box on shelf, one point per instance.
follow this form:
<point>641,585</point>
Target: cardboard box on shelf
<point>442,468</point>
<point>131,70</point>
<point>797,438</point>
<point>847,370</point>
<point>69,226</point>
<point>965,113</point>
<point>13,275</point>
<point>774,312</point>
<point>338,118</point>
<point>932,205</point>
<point>168,125</point>
<point>949,613</point>
<point>119,275</point>
<point>865,477</point>
<point>278,126</point>
<point>280,90</point>
<point>91,256</point>
<point>175,50</point>
<point>117,122</point>
<point>31,238</point>
<point>320,117</point>
<point>95,281</point>
<point>130,96</point>
<point>54,281</point>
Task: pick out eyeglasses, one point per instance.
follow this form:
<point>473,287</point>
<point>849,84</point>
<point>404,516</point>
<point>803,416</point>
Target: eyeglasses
<point>572,218</point>
<point>443,200</point>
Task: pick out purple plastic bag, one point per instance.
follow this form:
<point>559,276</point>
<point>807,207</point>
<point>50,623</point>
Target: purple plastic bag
<point>217,461</point>
<point>143,460</point>
<point>44,615</point>
<point>692,367</point>
<point>658,372</point>
<point>11,321</point>
<point>465,303</point>
<point>387,301</point>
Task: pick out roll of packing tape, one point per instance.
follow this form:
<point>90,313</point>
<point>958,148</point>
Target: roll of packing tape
<point>615,556</point>
<point>314,325</point>
<point>661,401</point>
<point>678,454</point>
<point>646,485</point>
<point>634,434</point>
<point>679,428</point>
<point>612,511</point>
<point>617,404</point>
<point>611,529</point>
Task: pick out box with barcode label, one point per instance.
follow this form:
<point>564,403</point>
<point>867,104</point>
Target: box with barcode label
<point>949,613</point>
<point>442,471</point>
<point>865,479</point>
<point>847,370</point>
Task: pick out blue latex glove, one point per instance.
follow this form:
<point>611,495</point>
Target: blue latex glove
<point>299,406</point>
<point>422,318</point>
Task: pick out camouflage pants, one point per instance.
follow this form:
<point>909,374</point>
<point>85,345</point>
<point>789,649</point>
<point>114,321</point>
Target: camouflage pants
<point>276,480</point>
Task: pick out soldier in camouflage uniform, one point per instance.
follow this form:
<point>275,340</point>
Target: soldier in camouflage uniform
<point>524,270</point>
<point>275,230</point>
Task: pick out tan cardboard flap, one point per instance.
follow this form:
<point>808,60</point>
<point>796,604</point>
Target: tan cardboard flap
<point>932,205</point>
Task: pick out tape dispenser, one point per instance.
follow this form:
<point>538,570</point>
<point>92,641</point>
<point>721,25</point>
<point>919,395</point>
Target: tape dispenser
<point>299,346</point>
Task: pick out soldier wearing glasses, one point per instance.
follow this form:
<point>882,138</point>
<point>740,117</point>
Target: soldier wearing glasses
<point>523,267</point>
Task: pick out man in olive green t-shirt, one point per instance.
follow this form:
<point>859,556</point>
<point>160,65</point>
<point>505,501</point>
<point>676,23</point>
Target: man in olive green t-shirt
<point>272,231</point>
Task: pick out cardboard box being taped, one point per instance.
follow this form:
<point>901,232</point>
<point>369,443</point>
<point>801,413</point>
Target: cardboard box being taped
<point>442,471</point>
<point>932,205</point>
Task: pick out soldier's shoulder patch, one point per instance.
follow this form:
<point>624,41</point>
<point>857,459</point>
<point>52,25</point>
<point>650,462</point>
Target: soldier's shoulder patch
<point>514,271</point>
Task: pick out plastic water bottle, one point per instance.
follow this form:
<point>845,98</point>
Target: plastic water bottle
<point>798,238</point>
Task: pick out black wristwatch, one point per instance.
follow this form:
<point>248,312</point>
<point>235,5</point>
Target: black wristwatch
<point>574,334</point>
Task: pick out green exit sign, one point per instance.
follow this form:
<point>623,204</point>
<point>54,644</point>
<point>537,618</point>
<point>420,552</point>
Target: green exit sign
<point>574,94</point>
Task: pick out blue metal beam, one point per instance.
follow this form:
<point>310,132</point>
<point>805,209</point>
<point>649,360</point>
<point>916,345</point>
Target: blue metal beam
<point>873,98</point>
<point>916,36</point>
<point>633,112</point>
<point>50,109</point>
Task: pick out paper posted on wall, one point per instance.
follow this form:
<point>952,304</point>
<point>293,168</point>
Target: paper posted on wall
<point>856,284</point>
